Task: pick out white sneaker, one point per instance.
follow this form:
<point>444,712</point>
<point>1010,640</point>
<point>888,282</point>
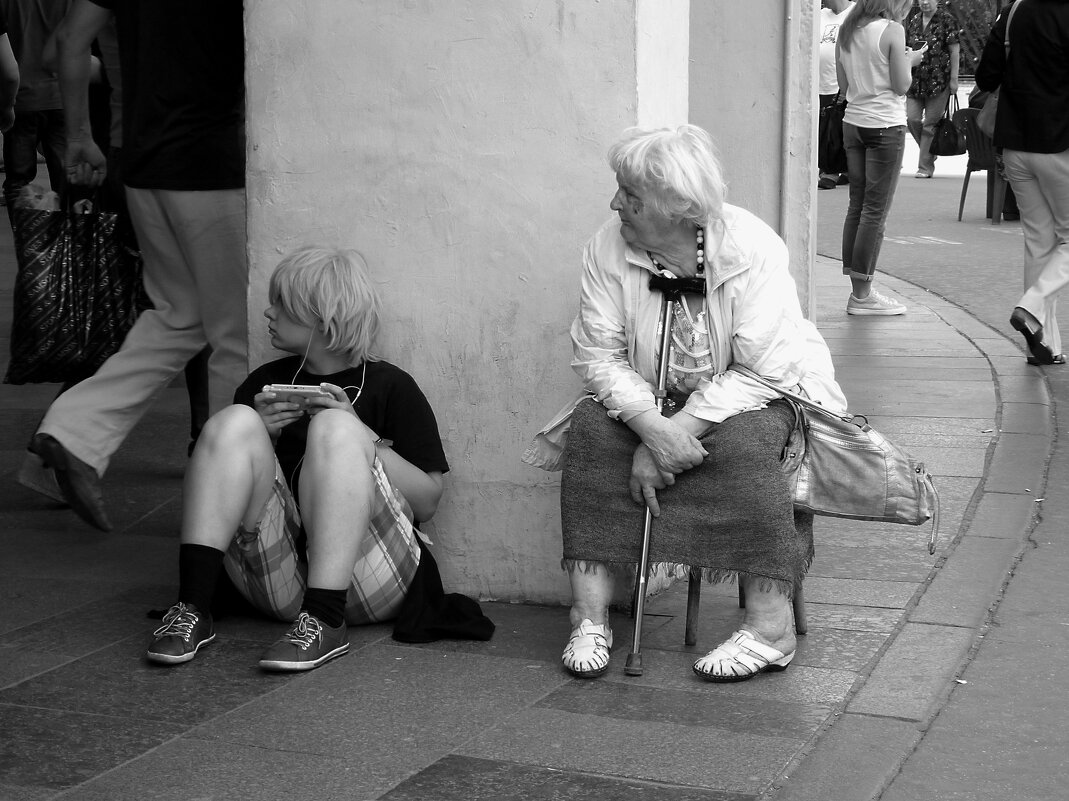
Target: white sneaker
<point>874,304</point>
<point>587,653</point>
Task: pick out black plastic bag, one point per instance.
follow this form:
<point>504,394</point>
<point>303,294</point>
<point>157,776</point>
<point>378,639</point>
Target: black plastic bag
<point>77,292</point>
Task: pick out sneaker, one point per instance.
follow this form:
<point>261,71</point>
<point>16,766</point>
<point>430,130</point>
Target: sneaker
<point>184,631</point>
<point>826,182</point>
<point>308,644</point>
<point>874,304</point>
<point>587,653</point>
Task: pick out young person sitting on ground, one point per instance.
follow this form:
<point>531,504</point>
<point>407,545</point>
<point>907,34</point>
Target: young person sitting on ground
<point>309,503</point>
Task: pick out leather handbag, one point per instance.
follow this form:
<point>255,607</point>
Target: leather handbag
<point>948,139</point>
<point>840,466</point>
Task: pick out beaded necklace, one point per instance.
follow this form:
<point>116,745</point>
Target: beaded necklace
<point>690,357</point>
<point>692,286</point>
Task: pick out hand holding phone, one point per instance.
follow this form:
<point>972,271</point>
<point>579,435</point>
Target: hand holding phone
<point>916,54</point>
<point>297,393</point>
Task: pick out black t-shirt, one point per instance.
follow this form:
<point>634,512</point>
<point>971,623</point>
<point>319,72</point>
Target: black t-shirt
<point>391,404</point>
<point>183,88</point>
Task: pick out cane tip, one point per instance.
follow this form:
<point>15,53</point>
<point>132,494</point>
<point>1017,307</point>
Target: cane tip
<point>634,665</point>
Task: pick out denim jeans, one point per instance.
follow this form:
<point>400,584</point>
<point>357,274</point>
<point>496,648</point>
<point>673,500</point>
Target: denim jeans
<point>874,160</point>
<point>33,128</point>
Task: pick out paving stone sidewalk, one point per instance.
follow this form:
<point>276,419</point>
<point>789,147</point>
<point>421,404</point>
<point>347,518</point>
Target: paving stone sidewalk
<point>82,716</point>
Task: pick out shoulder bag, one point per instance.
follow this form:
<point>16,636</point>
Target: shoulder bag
<point>839,466</point>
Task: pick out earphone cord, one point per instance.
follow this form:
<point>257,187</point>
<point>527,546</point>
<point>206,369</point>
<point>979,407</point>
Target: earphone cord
<point>359,389</point>
<point>363,373</point>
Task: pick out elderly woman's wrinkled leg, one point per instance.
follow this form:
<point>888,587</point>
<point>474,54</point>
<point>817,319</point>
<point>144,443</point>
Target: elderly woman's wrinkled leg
<point>587,652</point>
<point>765,640</point>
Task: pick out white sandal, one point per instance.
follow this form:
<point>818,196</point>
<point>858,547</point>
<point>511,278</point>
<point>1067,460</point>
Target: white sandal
<point>587,652</point>
<point>741,657</point>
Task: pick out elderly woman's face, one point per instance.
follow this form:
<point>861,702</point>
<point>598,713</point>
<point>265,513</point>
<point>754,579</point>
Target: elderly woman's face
<point>641,226</point>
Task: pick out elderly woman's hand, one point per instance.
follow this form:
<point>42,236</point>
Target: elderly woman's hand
<point>647,478</point>
<point>673,447</point>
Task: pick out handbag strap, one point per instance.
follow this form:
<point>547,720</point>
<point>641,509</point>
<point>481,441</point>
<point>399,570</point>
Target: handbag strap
<point>794,396</point>
<point>1009,19</point>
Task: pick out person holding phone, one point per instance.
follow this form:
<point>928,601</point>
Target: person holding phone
<point>874,70</point>
<point>309,503</point>
<point>933,33</point>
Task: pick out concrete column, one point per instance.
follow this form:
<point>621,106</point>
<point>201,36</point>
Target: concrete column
<point>461,148</point>
<point>753,86</point>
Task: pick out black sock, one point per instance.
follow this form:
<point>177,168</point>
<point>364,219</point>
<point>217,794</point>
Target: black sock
<point>327,605</point>
<point>198,573</point>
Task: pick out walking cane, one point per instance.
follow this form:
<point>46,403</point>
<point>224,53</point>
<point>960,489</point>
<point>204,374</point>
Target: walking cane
<point>634,658</point>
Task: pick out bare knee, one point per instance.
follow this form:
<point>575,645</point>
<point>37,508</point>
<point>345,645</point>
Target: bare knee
<point>333,433</point>
<point>237,427</point>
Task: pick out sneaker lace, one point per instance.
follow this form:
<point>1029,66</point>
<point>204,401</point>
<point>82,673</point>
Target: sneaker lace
<point>178,622</point>
<point>305,631</point>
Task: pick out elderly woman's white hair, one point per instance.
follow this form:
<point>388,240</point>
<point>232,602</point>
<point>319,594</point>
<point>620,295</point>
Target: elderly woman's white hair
<point>678,169</point>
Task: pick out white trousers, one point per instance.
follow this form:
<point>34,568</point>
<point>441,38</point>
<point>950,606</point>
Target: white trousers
<point>1041,183</point>
<point>196,274</point>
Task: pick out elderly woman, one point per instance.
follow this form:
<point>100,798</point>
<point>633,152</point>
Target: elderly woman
<point>708,468</point>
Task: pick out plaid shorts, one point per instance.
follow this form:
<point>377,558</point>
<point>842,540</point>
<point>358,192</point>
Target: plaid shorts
<point>268,570</point>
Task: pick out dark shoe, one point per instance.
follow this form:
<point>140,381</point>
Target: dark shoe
<point>1030,328</point>
<point>1059,358</point>
<point>184,631</point>
<point>844,179</point>
<point>78,482</point>
<point>308,644</point>
<point>34,475</point>
<point>826,183</point>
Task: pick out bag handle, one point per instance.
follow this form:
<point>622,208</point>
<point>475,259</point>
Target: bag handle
<point>794,396</point>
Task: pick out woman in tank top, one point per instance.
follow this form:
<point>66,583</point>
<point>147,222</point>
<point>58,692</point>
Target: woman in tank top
<point>874,70</point>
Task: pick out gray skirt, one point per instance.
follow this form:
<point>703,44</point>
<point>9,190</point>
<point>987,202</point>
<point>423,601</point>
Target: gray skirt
<point>731,515</point>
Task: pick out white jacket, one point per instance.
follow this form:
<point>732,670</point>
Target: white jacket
<point>754,320</point>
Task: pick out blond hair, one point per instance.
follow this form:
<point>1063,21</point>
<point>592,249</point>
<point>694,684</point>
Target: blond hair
<point>865,11</point>
<point>330,289</point>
